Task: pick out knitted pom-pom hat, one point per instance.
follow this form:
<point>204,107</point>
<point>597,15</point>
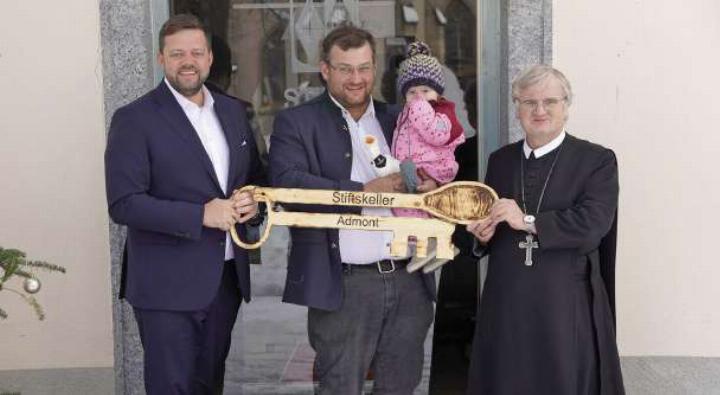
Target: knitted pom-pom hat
<point>420,68</point>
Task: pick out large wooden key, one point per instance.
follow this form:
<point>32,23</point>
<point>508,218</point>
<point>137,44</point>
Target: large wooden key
<point>402,228</point>
<point>454,203</point>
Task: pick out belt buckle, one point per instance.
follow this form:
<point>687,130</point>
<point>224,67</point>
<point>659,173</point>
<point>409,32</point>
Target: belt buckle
<point>384,271</point>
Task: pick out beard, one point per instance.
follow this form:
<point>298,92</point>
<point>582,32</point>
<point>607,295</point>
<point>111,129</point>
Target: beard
<point>187,88</point>
<point>356,100</point>
<point>349,103</point>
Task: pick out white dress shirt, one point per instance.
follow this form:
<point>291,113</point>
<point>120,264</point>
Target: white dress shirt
<point>364,246</point>
<point>207,126</point>
<point>545,149</point>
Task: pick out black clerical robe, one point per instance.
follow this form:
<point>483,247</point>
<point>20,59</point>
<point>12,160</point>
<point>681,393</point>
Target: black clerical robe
<point>549,328</point>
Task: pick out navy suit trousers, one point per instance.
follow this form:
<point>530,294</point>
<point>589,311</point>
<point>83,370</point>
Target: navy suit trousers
<point>185,351</point>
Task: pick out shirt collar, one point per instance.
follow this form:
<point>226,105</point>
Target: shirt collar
<point>186,103</point>
<point>545,149</point>
<point>369,111</point>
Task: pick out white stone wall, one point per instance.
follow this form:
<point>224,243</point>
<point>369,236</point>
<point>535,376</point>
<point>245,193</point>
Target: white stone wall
<point>645,75</point>
<point>52,201</point>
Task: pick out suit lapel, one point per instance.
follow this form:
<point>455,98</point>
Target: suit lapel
<point>233,136</point>
<point>175,116</point>
<point>339,136</point>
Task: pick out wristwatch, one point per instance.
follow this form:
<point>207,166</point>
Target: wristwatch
<point>529,221</point>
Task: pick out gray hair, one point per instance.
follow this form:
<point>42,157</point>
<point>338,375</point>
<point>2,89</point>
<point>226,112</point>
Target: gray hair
<point>536,74</point>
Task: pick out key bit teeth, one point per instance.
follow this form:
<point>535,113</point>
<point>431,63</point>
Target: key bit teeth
<point>434,265</point>
<point>421,247</point>
<point>398,247</point>
<point>416,263</point>
<point>445,250</point>
<point>438,262</point>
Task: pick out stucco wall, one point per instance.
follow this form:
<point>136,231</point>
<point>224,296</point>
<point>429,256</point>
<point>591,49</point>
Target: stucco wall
<point>645,74</point>
<point>52,201</point>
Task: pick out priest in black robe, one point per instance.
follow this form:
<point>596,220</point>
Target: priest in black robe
<point>546,323</point>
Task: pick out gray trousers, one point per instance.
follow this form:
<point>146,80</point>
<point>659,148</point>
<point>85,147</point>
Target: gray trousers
<point>382,323</point>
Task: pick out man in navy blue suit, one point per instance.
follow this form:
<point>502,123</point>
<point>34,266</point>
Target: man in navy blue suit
<point>364,309</point>
<point>173,159</point>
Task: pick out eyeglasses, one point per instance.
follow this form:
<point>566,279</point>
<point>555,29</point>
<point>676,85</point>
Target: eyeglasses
<point>346,70</point>
<point>548,104</point>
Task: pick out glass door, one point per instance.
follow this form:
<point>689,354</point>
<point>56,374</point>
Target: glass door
<point>266,53</point>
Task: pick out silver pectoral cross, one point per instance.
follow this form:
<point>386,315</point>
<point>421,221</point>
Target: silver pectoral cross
<point>528,245</point>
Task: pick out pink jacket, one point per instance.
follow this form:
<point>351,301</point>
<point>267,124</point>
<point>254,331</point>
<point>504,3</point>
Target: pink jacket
<point>428,133</point>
